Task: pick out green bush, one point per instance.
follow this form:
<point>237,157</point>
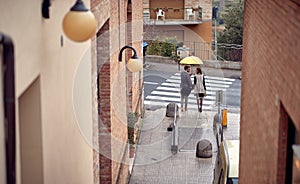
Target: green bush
<point>132,119</point>
<point>165,48</point>
<point>154,48</point>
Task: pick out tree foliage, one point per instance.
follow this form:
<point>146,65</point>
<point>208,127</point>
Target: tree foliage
<point>233,19</point>
<point>166,47</point>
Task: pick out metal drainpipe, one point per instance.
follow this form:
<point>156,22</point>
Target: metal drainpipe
<point>140,94</point>
<point>9,107</point>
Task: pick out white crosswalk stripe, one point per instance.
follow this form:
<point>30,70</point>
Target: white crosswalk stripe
<point>169,91</point>
<point>164,104</point>
<point>178,90</point>
<point>170,99</point>
<point>177,75</point>
<point>151,83</point>
<point>175,80</point>
<point>165,93</point>
<point>207,85</point>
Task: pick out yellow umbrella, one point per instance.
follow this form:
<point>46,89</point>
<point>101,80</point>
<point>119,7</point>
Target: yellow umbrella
<point>191,60</point>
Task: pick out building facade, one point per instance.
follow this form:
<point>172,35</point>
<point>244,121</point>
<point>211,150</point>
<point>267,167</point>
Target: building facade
<point>270,120</point>
<point>190,21</point>
<point>72,99</point>
<point>117,91</point>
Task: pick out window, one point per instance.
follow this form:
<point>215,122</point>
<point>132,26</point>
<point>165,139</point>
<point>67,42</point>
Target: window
<point>296,2</point>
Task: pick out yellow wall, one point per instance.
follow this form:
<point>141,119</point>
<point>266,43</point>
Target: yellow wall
<point>203,32</point>
<point>67,154</point>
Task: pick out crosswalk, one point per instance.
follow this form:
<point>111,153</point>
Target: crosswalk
<point>169,91</point>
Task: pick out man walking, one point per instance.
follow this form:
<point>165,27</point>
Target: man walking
<point>185,86</point>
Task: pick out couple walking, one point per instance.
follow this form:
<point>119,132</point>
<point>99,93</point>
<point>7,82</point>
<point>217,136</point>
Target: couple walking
<point>186,86</point>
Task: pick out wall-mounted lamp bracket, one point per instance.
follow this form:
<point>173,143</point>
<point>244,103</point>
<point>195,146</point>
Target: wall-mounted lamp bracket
<point>45,8</point>
<point>79,6</point>
<point>134,64</point>
<point>127,47</point>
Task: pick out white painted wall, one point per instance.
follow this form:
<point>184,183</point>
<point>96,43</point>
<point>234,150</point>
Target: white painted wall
<point>67,157</point>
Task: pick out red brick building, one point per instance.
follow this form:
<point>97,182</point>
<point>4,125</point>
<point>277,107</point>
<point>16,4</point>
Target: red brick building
<point>270,105</point>
<point>116,91</point>
<point>187,20</point>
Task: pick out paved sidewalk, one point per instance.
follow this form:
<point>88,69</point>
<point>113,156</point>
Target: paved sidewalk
<point>154,161</point>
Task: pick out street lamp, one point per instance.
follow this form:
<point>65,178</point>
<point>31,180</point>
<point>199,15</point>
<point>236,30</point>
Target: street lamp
<point>215,17</point>
<point>134,64</point>
<point>79,24</point>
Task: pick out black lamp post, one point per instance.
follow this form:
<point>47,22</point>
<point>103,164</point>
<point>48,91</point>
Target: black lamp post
<point>9,107</point>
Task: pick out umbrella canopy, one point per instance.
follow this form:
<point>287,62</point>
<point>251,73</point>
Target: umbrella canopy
<point>145,44</point>
<point>191,60</point>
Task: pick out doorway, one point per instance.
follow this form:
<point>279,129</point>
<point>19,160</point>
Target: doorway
<point>286,139</point>
<point>31,144</point>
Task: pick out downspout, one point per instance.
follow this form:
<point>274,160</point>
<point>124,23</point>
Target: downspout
<point>9,107</point>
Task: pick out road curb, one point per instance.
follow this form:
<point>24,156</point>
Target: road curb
<point>233,65</point>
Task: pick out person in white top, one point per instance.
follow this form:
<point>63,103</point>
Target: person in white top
<point>200,88</point>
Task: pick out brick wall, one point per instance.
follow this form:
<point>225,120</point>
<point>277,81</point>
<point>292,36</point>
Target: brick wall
<point>101,11</point>
<point>129,53</point>
<point>270,77</point>
<point>109,81</point>
<point>96,166</point>
<point>137,36</point>
<point>206,6</point>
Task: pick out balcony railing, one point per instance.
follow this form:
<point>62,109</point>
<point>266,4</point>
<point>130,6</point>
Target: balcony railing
<point>172,16</point>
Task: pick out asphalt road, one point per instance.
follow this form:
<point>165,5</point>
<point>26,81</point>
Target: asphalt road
<point>161,82</point>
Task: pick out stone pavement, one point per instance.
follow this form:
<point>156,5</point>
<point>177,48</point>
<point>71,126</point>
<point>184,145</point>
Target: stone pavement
<point>154,161</point>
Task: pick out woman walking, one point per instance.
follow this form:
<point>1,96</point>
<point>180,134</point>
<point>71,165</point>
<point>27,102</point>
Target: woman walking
<point>200,88</point>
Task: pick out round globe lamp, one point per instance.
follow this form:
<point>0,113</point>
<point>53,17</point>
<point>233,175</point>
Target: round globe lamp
<point>134,65</point>
<point>79,24</point>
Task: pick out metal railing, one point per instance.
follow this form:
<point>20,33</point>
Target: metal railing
<point>200,49</point>
<point>229,52</point>
<point>174,13</point>
<point>205,51</point>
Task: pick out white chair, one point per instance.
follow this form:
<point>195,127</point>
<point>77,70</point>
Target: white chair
<point>190,13</point>
<point>160,13</point>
